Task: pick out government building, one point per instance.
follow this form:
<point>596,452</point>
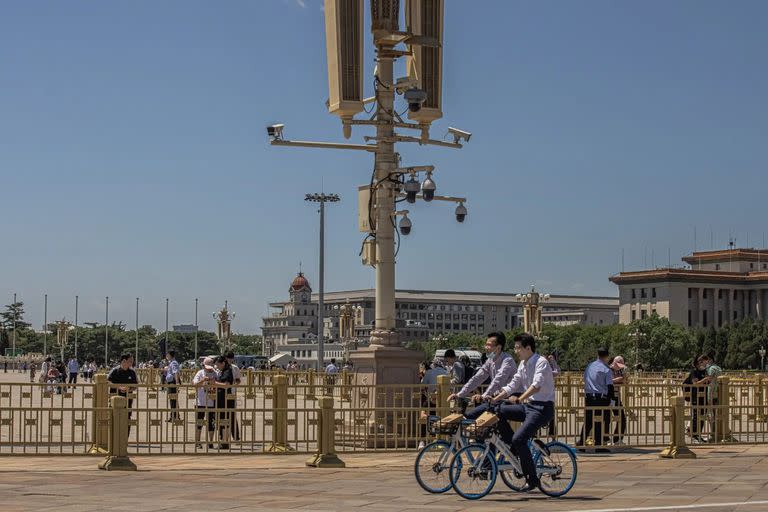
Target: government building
<point>421,315</point>
<point>714,289</point>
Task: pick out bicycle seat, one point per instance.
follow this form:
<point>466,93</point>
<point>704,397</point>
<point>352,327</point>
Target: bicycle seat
<point>541,446</point>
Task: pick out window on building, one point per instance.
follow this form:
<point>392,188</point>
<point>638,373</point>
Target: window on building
<point>690,293</point>
<point>719,317</point>
<point>642,293</point>
<point>643,314</point>
<point>704,318</point>
<point>689,318</point>
<point>751,265</point>
<point>653,311</point>
<point>735,294</point>
<point>735,315</point>
<point>719,294</point>
<point>653,292</point>
<point>634,293</point>
<point>704,293</point>
<point>717,266</point>
<point>765,266</point>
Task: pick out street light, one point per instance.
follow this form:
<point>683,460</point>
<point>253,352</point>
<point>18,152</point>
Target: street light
<point>421,90</point>
<point>532,310</point>
<point>223,319</point>
<point>762,358</point>
<point>322,199</point>
<point>636,335</point>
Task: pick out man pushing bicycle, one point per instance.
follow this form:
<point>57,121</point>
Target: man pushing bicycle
<point>534,408</point>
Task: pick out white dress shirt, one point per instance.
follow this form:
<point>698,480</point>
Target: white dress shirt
<point>533,372</point>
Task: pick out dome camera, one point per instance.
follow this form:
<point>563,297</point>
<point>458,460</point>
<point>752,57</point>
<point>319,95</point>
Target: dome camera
<point>412,187</point>
<point>415,98</point>
<point>461,212</point>
<point>428,188</point>
<point>405,225</point>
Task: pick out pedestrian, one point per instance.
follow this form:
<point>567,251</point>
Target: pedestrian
<point>617,368</point>
<point>172,377</point>
<point>232,398</point>
<point>205,401</point>
<point>74,368</point>
<point>52,378</point>
<point>598,390</point>
<point>125,376</point>
<point>717,427</point>
<point>330,375</point>
<point>696,395</point>
<point>428,391</point>
<point>44,369</point>
<point>32,370</point>
<point>92,369</point>
<point>455,368</point>
<point>223,384</point>
<point>531,400</point>
<point>499,368</point>
<point>5,366</point>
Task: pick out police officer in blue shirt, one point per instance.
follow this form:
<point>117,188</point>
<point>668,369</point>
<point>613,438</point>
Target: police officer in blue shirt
<point>598,390</point>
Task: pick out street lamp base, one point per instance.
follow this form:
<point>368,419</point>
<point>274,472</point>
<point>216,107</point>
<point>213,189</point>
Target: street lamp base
<point>385,338</point>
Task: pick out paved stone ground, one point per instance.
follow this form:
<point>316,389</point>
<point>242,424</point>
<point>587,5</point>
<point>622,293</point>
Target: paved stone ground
<point>635,481</point>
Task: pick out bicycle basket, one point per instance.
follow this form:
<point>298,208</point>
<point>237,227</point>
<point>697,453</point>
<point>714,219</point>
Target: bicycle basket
<point>447,425</point>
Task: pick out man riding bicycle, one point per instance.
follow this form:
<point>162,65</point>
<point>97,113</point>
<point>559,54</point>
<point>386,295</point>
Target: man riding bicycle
<point>535,407</point>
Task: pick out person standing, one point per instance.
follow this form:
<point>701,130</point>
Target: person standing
<point>455,368</point>
<point>223,384</point>
<point>534,407</point>
<point>499,368</point>
<point>331,371</point>
<point>125,376</point>
<point>232,398</point>
<point>617,368</point>
<point>205,403</point>
<point>44,369</point>
<point>717,427</point>
<point>74,368</point>
<point>598,390</point>
<point>697,397</point>
<point>172,377</point>
<point>32,369</point>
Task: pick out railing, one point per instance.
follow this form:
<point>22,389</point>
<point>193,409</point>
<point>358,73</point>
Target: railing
<point>291,413</point>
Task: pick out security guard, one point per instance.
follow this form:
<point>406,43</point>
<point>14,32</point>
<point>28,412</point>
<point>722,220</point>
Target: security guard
<point>598,390</point>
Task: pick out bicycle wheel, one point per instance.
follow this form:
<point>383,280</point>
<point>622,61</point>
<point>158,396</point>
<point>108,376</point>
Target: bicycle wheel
<point>473,472</point>
<point>558,470</point>
<point>432,467</point>
<point>514,479</point>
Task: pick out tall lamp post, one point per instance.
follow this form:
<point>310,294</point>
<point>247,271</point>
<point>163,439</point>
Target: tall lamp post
<point>62,335</point>
<point>322,199</point>
<point>224,328</point>
<point>532,308</point>
<point>762,358</point>
<point>636,335</point>
<point>421,90</point>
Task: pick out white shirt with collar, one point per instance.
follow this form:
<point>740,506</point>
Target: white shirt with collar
<point>533,372</point>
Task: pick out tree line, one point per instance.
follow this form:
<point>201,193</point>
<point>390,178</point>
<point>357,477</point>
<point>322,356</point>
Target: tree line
<point>91,340</point>
<point>653,342</point>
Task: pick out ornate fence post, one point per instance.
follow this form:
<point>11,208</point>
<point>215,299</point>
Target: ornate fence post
<point>443,390</point>
<point>100,415</point>
<point>117,456</point>
<point>722,411</point>
<point>326,438</point>
<point>279,414</point>
<point>760,398</point>
<point>677,448</point>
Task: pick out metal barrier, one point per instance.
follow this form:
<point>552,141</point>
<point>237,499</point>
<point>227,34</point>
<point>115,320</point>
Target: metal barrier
<point>292,413</point>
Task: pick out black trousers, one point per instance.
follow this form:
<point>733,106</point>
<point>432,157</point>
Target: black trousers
<point>73,377</point>
<point>172,390</point>
<point>595,420</point>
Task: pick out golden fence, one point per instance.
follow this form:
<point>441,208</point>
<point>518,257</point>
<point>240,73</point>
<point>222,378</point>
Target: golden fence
<point>283,413</point>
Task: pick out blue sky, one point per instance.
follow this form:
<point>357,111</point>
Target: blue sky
<point>134,161</point>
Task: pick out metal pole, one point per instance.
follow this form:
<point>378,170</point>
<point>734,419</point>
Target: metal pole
<point>106,333</point>
<point>45,325</point>
<point>384,332</point>
<point>166,326</point>
<point>14,325</point>
<point>136,343</point>
<point>321,294</point>
<point>77,300</point>
<point>196,329</point>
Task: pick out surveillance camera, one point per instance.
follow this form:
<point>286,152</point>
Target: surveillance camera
<point>428,188</point>
<point>415,98</point>
<point>461,212</point>
<point>275,131</point>
<point>412,187</point>
<point>405,225</point>
<point>459,135</point>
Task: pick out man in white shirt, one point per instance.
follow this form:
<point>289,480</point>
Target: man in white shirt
<point>534,408</point>
<point>74,368</point>
<point>205,400</point>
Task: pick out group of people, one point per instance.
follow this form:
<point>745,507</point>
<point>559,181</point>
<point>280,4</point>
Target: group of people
<point>55,373</point>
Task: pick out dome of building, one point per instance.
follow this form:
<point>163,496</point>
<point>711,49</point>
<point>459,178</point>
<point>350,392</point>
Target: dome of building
<point>299,282</point>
